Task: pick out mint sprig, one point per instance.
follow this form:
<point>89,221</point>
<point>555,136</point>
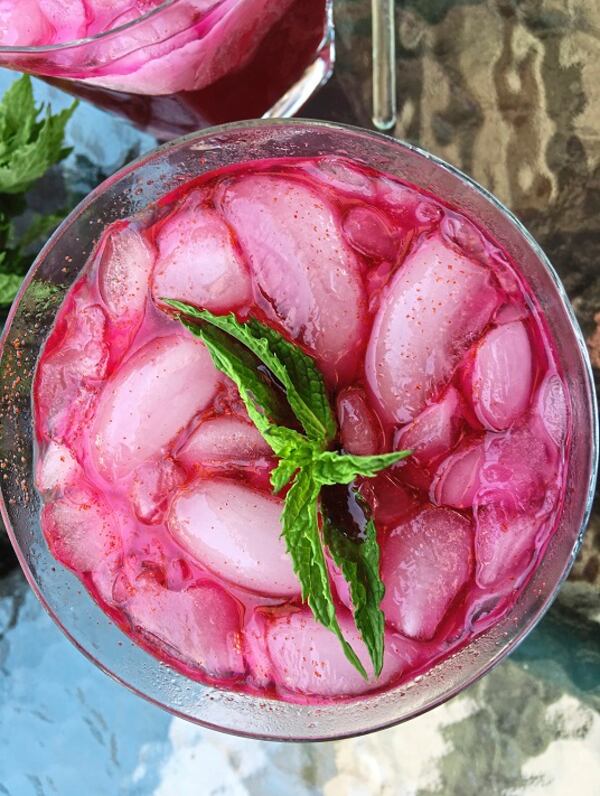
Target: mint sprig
<point>242,350</point>
<point>29,145</point>
<point>295,370</point>
<point>358,561</point>
<point>31,140</point>
<point>300,528</point>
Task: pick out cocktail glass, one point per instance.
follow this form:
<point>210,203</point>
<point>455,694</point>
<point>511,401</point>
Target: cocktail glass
<point>130,191</point>
<point>188,64</point>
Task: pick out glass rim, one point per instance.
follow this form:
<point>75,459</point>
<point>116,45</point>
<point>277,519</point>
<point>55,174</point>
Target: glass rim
<point>586,505</point>
<point>16,49</point>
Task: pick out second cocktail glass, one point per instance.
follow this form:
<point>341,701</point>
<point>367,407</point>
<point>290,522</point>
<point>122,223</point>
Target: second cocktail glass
<point>185,64</point>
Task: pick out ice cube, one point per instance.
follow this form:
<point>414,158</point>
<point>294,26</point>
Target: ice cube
<point>360,429</point>
<point>306,277</point>
<point>436,305</point>
<point>400,197</point>
<point>368,231</point>
<point>153,484</point>
<point>457,230</point>
<point>57,469</point>
<point>67,18</point>
<point>511,311</point>
<point>200,626</point>
<point>149,400</point>
<point>234,532</point>
<point>551,407</point>
<point>81,531</point>
<point>500,377</point>
<point>425,562</point>
<point>106,14</point>
<point>428,212</point>
<point>518,463</point>
<point>124,267</point>
<point>70,375</point>
<point>24,24</point>
<point>198,262</point>
<point>391,500</point>
<point>434,431</point>
<point>342,175</point>
<point>308,658</point>
<point>458,477</point>
<point>224,438</point>
<point>504,540</point>
<point>183,50</point>
<point>255,649</point>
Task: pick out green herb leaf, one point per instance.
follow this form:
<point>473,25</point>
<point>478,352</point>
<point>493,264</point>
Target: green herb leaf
<point>263,403</point>
<point>28,146</point>
<point>342,468</point>
<point>304,384</point>
<point>297,372</point>
<point>358,560</point>
<point>301,533</point>
<point>282,474</point>
<point>240,350</point>
<point>9,285</point>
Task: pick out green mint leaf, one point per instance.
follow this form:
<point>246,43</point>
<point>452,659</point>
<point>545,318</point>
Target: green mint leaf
<point>304,383</point>
<point>18,115</point>
<point>358,560</point>
<point>282,474</point>
<point>9,285</point>
<point>239,350</point>
<point>300,523</point>
<point>295,370</point>
<point>28,146</point>
<point>342,468</point>
<point>262,401</point>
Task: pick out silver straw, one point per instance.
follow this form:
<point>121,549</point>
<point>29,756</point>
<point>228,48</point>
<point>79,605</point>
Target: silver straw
<point>384,64</point>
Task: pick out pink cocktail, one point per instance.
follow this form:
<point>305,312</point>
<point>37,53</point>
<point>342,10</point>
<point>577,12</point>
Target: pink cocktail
<point>155,481</point>
<point>493,500</point>
<point>176,66</point>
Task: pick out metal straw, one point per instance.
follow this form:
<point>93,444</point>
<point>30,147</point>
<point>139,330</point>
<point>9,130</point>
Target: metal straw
<point>384,64</point>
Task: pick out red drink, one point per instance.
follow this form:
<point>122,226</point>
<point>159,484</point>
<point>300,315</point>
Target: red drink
<point>156,484</point>
<point>176,67</point>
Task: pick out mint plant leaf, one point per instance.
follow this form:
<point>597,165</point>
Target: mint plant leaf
<point>263,403</point>
<point>311,403</point>
<point>18,115</point>
<point>240,350</point>
<point>29,146</point>
<point>300,523</point>
<point>9,285</point>
<point>297,372</point>
<point>282,474</point>
<point>358,560</point>
<point>342,468</point>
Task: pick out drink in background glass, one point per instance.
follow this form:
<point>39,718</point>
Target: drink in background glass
<point>176,66</point>
<point>156,485</point>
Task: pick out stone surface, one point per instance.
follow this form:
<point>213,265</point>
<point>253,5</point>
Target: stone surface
<point>523,730</point>
<point>509,91</point>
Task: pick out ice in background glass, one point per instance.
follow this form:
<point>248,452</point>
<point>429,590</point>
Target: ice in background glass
<point>132,191</point>
<point>176,66</point>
